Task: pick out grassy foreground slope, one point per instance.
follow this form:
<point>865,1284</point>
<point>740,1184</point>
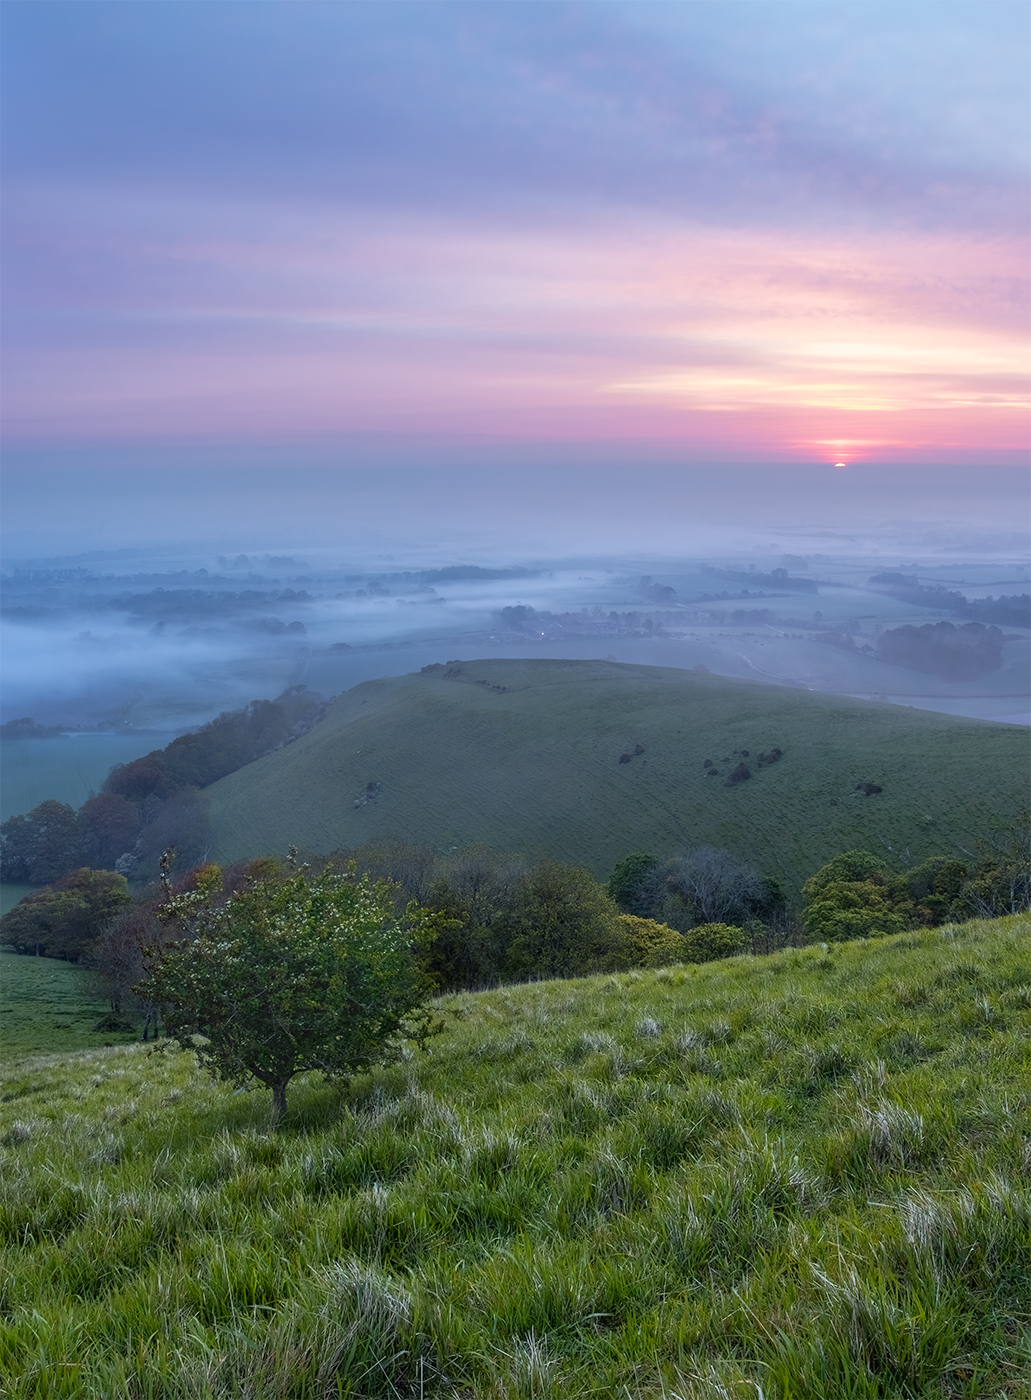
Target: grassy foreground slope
<point>804,1176</point>
<point>535,768</point>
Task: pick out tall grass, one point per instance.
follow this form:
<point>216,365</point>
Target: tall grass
<point>802,1176</point>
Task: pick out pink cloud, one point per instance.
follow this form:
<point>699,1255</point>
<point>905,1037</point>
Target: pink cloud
<point>765,344</point>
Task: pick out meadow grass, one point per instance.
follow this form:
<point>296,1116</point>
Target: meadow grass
<point>804,1176</point>
<point>49,1005</point>
<point>535,768</point>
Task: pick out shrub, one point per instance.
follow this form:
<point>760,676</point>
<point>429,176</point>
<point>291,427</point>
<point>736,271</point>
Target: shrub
<point>708,942</point>
<point>651,944</point>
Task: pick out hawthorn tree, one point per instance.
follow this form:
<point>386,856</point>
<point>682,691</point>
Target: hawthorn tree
<point>291,974</point>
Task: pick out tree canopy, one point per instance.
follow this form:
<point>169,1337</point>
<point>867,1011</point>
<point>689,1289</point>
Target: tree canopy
<point>65,919</point>
<point>291,974</point>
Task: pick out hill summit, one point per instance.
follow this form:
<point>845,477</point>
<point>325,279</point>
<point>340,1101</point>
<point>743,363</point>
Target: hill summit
<point>585,761</point>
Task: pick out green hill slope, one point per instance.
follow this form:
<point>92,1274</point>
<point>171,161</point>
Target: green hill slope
<point>800,1176</point>
<point>525,756</point>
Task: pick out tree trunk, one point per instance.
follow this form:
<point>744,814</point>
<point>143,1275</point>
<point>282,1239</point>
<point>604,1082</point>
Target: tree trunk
<point>278,1102</point>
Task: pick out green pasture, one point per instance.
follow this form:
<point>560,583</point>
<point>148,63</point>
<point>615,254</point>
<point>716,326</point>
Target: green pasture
<point>48,1005</point>
<point>804,1176</point>
<point>533,766</point>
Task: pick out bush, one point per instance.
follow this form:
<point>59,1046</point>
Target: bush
<point>650,944</point>
<point>708,942</point>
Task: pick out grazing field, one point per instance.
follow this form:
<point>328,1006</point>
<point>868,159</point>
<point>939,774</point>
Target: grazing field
<point>802,1176</point>
<point>525,756</point>
<point>50,1005</point>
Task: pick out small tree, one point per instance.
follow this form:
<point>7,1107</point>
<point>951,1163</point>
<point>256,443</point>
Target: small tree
<point>292,974</point>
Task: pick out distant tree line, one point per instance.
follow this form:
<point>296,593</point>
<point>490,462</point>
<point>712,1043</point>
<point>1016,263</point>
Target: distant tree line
<point>155,801</point>
<point>1012,610</point>
<point>950,651</point>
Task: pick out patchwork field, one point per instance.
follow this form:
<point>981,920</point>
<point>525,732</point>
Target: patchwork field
<point>801,1176</point>
<point>525,756</point>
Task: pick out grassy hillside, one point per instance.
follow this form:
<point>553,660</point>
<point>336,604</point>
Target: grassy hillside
<point>524,755</point>
<point>804,1176</point>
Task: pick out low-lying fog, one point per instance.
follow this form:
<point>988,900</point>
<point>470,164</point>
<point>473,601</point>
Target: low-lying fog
<point>123,646</point>
<point>134,655</point>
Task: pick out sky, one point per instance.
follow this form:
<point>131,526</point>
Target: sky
<point>435,250</point>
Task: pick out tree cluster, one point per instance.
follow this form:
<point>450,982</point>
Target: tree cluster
<point>155,801</point>
<point>856,896</point>
<point>703,885</point>
<point>64,920</point>
<point>950,651</point>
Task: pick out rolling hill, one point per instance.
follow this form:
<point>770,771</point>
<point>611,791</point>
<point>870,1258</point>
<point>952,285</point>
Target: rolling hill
<point>589,760</point>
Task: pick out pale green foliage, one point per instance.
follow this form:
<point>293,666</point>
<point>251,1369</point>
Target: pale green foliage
<point>651,944</point>
<point>291,974</point>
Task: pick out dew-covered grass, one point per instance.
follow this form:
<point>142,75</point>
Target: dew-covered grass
<point>804,1176</point>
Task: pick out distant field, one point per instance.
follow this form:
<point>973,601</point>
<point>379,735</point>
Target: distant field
<point>11,894</point>
<point>68,768</point>
<point>524,755</point>
<point>47,1005</point>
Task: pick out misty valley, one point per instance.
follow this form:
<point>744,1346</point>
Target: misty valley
<point>685,904</point>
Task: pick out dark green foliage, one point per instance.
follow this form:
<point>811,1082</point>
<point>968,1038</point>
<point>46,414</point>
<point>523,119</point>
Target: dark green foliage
<point>856,909</point>
<point>935,887</point>
<point>853,896</point>
<point>944,649</point>
<point>856,896</point>
<point>142,778</point>
<point>110,824</point>
<point>64,920</point>
<point>628,883</point>
<point>222,746</point>
<point>42,846</point>
<point>561,924</point>
<point>849,866</point>
<point>502,918</point>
